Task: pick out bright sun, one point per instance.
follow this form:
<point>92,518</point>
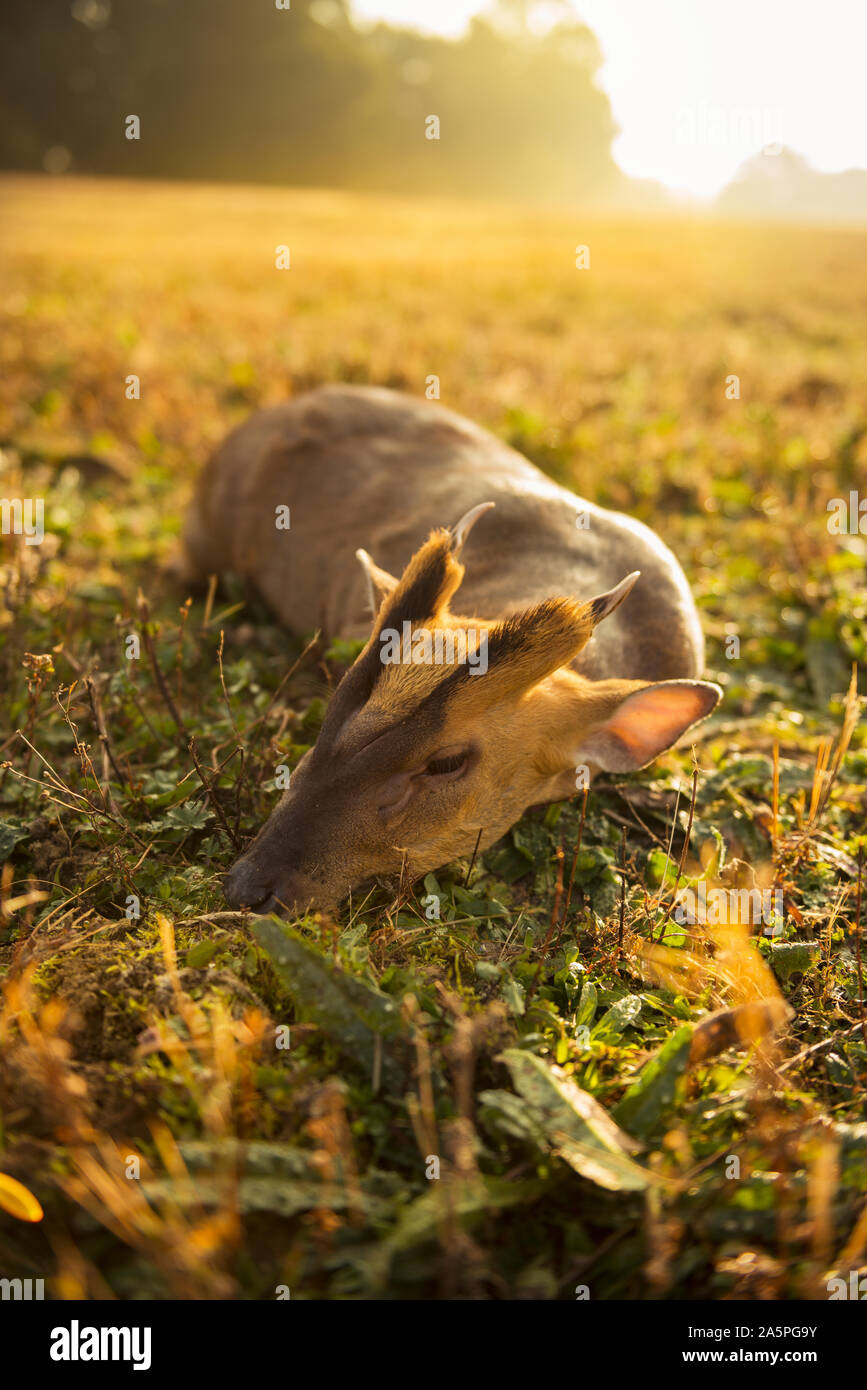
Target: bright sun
<point>698,86</point>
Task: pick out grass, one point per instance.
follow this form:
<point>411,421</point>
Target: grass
<point>396,1103</point>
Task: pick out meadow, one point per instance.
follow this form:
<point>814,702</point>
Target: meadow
<point>556,1087</point>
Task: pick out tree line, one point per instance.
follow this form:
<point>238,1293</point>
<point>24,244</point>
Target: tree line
<point>248,91</point>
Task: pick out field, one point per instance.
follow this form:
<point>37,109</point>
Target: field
<point>389,1105</point>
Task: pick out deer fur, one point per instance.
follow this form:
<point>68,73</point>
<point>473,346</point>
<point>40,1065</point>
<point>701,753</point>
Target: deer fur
<point>587,663</point>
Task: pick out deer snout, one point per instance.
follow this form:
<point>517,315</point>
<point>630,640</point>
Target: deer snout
<point>248,883</point>
<point>252,884</point>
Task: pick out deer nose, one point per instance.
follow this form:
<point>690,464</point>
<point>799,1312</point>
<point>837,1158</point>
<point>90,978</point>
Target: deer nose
<point>248,884</point>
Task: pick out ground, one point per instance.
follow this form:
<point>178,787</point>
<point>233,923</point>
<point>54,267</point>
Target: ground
<point>521,1097</point>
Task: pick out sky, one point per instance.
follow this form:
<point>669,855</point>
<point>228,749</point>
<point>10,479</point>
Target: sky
<point>697,86</point>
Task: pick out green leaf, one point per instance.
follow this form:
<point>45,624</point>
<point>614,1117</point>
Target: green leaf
<point>660,867</point>
<point>258,1158</point>
<point>190,815</point>
<point>571,977</point>
<point>281,1196</point>
<point>613,1171</point>
<point>654,1089</point>
<point>587,1008</point>
<point>200,954</point>
<point>11,834</point>
<point>575,1125</point>
<point>344,650</point>
<point>509,863</point>
<point>447,1200</point>
<point>514,995</point>
<point>618,1017</point>
<point>504,1112</point>
<point>793,957</point>
<point>358,1018</point>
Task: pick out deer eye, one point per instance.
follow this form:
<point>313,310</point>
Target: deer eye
<point>449,765</point>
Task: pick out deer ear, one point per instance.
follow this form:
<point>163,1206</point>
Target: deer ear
<point>379,582</point>
<point>646,723</point>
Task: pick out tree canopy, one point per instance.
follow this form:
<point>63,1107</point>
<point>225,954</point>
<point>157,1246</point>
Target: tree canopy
<point>247,91</point>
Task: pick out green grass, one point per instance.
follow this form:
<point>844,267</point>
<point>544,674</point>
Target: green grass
<point>413,1037</point>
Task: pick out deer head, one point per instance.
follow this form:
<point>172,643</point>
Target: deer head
<point>446,727</point>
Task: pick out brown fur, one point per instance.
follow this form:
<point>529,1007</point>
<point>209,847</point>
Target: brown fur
<point>379,794</point>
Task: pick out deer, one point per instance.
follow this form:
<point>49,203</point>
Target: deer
<point>569,644</point>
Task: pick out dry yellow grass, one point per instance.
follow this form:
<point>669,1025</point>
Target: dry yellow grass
<point>178,284</point>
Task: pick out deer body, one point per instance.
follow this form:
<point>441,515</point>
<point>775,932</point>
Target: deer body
<point>419,759</point>
<point>363,467</point>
